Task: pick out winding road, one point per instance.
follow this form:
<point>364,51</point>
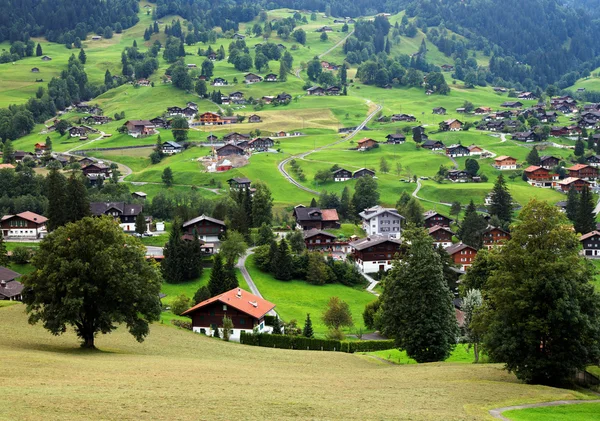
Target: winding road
<point>241,265</point>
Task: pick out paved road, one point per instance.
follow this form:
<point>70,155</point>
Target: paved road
<point>282,164</point>
<point>241,265</point>
<point>497,413</point>
<point>416,195</point>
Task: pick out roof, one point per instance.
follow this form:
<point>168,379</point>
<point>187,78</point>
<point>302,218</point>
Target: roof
<point>10,166</point>
<point>492,228</point>
<point>430,214</point>
<point>239,299</point>
<point>570,180</point>
<point>140,193</point>
<point>11,289</point>
<point>503,157</point>
<point>173,144</point>
<point>240,180</point>
<point>330,215</point>
<point>203,218</point>
<point>588,235</point>
<point>577,167</point>
<point>314,232</point>
<point>8,275</point>
<point>140,122</point>
<point>99,208</point>
<point>28,216</point>
<point>341,169</point>
<point>378,210</point>
<point>373,240</point>
<point>533,168</point>
<point>455,248</point>
<point>438,228</point>
<point>545,157</point>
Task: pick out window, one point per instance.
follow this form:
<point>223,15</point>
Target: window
<point>224,307</point>
<point>242,321</point>
<point>212,312</point>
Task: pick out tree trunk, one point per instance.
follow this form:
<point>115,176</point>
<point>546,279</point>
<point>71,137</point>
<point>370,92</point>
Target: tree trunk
<point>476,352</point>
<point>88,342</point>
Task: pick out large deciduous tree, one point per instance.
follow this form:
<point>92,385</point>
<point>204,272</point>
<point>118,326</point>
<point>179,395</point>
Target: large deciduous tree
<point>541,313</point>
<point>92,276</point>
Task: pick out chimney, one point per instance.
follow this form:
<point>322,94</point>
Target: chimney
<point>239,293</point>
<point>254,303</point>
<point>3,284</point>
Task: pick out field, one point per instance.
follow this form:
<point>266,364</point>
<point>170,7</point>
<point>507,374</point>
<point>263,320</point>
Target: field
<point>174,374</point>
<point>579,412</point>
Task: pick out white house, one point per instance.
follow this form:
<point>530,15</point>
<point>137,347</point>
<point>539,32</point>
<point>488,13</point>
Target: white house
<point>379,220</point>
<point>375,253</point>
<point>23,225</point>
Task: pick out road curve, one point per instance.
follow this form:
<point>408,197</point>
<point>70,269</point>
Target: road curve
<point>241,265</point>
<point>415,194</point>
<point>497,412</point>
<point>282,164</point>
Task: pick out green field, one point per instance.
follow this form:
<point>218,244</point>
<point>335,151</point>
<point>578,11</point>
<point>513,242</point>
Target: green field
<point>579,412</point>
<point>161,379</point>
<point>461,354</point>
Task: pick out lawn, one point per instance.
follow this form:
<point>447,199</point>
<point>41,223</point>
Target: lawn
<point>579,412</point>
<point>52,377</point>
<point>294,299</point>
<point>461,354</point>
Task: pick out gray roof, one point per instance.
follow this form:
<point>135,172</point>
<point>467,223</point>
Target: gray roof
<point>313,232</point>
<point>455,248</point>
<point>8,275</point>
<point>203,218</point>
<point>10,289</point>
<point>378,210</point>
<point>373,240</point>
<point>173,144</point>
<point>100,208</point>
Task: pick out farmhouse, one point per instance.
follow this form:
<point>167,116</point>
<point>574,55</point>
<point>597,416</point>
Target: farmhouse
<point>252,78</point>
<point>228,150</point>
<point>169,147</point>
<point>528,136</point>
<point>402,117</point>
<point>379,220</point>
<point>461,110</point>
<point>246,311</point>
<point>254,119</point>
<point>138,128</point>
<point>23,225</point>
<point>271,77</point>
<point>97,119</point>
<point>432,218</point>
<point>317,218</point>
<point>452,125</point>
<point>342,175</point>
<point>206,228</point>
<point>315,90</point>
<point>458,176</point>
<point>457,150</point>
<point>433,145</point>
<point>363,172</point>
<point>366,144</point>
<point>527,95</point>
<point>395,138</point>
<point>320,240</point>
<point>583,171</point>
<point>439,110</point>
<point>122,212</point>
<point>239,183</point>
<point>219,81</point>
<point>512,104</point>
<point>77,131</point>
<point>333,90</point>
<point>235,137</point>
<point>495,237</point>
<point>96,170</point>
<point>572,183</point>
<point>505,163</point>
<point>209,119</point>
<point>482,110</point>
<point>10,288</point>
<point>462,255</point>
<point>139,195</point>
<point>591,244</point>
<point>161,122</point>
<point>475,150</point>
<point>540,177</point>
<point>261,144</point>
<point>549,161</point>
<point>593,160</point>
<point>46,58</point>
<point>375,253</point>
<point>442,236</point>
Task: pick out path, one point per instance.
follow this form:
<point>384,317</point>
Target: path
<point>86,143</point>
<point>497,412</point>
<point>415,195</point>
<point>282,164</point>
<point>241,265</point>
<point>336,45</point>
<point>372,284</point>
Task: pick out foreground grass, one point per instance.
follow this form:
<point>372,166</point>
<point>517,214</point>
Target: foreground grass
<point>52,377</point>
<point>460,355</point>
<point>579,412</point>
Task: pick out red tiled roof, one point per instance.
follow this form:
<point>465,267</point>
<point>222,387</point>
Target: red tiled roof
<point>532,168</point>
<point>329,215</point>
<point>588,235</point>
<point>240,300</point>
<point>29,216</point>
<point>577,167</point>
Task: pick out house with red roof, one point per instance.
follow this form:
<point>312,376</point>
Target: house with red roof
<point>540,177</point>
<point>462,255</point>
<point>247,311</point>
<point>583,171</point>
<point>442,236</point>
<point>572,183</point>
<point>23,225</point>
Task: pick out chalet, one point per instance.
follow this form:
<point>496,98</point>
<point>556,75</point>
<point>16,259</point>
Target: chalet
<point>211,56</point>
<point>460,176</point>
<point>527,95</point>
<point>161,122</point>
<point>499,89</point>
<point>235,137</point>
<point>432,218</point>
<point>442,236</point>
<point>268,99</point>
<point>261,144</point>
<point>402,117</point>
<point>342,175</point>
<point>239,183</point>
<point>462,255</point>
<point>208,229</point>
<point>236,96</point>
<point>229,119</point>
<point>254,119</point>
<point>447,67</point>
<point>540,177</point>
<point>593,160</point>
<point>84,162</point>
<point>572,183</point>
<point>395,138</point>
<point>512,104</point>
<point>143,82</point>
<point>238,36</point>
<point>363,172</point>
<point>375,253</point>
<point>246,311</point>
<point>169,147</point>
<point>46,58</point>
<point>366,144</point>
<point>124,213</point>
<point>229,150</point>
<point>20,156</point>
<point>271,77</point>
<point>549,161</point>
<point>333,90</point>
<point>309,218</point>
<point>433,145</point>
<point>219,81</point>
<point>315,90</point>
<point>559,131</point>
<point>324,29</point>
<point>10,288</point>
<point>382,221</point>
<point>77,131</point>
<point>475,150</point>
<point>495,237</point>
<point>192,66</point>
<point>23,225</point>
<point>439,110</point>
<point>505,163</point>
<point>252,78</point>
<point>528,136</point>
<point>461,110</point>
<point>35,70</point>
<point>319,240</point>
<point>96,171</point>
<point>548,117</point>
<point>457,150</point>
<point>482,110</point>
<point>139,128</point>
<point>452,125</point>
<point>583,171</point>
<point>591,244</point>
<point>283,97</point>
<point>97,119</point>
<point>208,119</point>
<point>139,195</point>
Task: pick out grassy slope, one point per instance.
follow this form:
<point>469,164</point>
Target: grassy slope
<point>53,376</point>
<point>583,412</point>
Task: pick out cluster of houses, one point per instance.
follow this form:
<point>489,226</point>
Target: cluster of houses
<point>578,175</point>
<point>242,144</point>
<point>319,91</point>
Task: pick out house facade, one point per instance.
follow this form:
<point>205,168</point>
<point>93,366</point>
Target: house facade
<point>138,128</point>
<point>457,151</point>
<point>442,236</point>
<point>342,175</point>
<point>505,163</point>
<point>206,228</point>
<point>382,221</point>
<point>495,237</point>
<point>124,213</point>
<point>317,240</point>
<point>169,147</point>
<point>583,171</point>
<point>591,244</point>
<point>228,150</point>
<point>316,218</point>
<point>572,183</point>
<point>24,225</point>
<point>395,138</point>
<point>375,253</point>
<point>96,170</point>
<point>433,218</point>
<point>462,255</point>
<point>10,288</point>
<point>363,172</point>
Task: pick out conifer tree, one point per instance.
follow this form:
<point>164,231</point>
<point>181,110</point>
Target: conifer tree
<point>77,204</point>
<point>8,152</point>
<point>277,326</point>
<point>38,50</point>
<point>140,223</point>
<point>313,203</point>
<point>282,263</point>
<point>192,257</point>
<point>282,71</point>
<point>265,235</point>
<point>307,332</point>
<point>202,294</point>
<point>586,219</point>
<point>231,281</point>
<point>82,56</point>
<point>533,158</point>
<point>572,205</point>
<point>471,229</point>
<point>501,201</point>
<point>262,205</point>
<point>344,210</point>
<point>48,143</point>
<point>172,264</point>
<point>3,253</point>
<point>57,199</point>
<point>217,281</point>
<point>417,307</point>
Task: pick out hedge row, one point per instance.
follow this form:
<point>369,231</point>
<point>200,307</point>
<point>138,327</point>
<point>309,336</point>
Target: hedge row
<point>312,344</point>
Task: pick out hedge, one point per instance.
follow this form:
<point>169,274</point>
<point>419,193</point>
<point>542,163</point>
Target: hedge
<point>312,344</point>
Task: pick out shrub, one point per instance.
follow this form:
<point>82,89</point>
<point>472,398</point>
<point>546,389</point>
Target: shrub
<point>300,342</point>
<point>180,304</point>
<point>182,324</point>
<point>336,334</point>
<point>21,255</point>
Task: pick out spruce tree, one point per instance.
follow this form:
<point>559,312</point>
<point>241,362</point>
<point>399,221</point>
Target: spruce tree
<point>140,223</point>
<point>501,201</point>
<point>8,152</point>
<point>272,255</point>
<point>4,260</point>
<point>217,281</point>
<point>230,281</point>
<point>82,56</point>
<point>77,204</point>
<point>533,158</point>
<point>265,235</point>
<point>202,294</point>
<point>38,50</point>
<point>282,71</point>
<point>261,205</point>
<point>192,258</point>
<point>313,203</point>
<point>344,210</point>
<point>572,207</point>
<point>579,148</point>
<point>172,265</point>
<point>307,332</point>
<point>417,308</point>
<point>282,263</point>
<point>57,200</point>
<point>586,219</point>
<point>277,326</point>
<point>471,229</point>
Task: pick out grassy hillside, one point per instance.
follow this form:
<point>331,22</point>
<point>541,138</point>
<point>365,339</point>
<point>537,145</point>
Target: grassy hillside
<point>583,412</point>
<point>176,374</point>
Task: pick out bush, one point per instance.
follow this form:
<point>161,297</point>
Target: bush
<point>336,334</point>
<point>182,324</point>
<point>21,255</point>
<point>180,304</point>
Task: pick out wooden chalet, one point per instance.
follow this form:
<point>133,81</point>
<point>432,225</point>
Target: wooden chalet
<point>315,239</point>
<point>549,161</point>
<point>458,176</point>
<point>170,147</point>
<point>235,137</point>
<point>572,183</point>
<point>433,218</point>
<point>229,149</point>
<point>442,236</point>
<point>462,255</point>
<point>451,125</point>
<point>239,183</point>
<point>363,172</point>
<point>315,90</point>
<point>495,237</point>
<point>593,160</point>
<point>124,213</point>
<point>433,145</point>
<point>505,163</point>
<point>24,225</point>
<point>475,150</point>
<point>206,228</point>
<point>271,77</point>
<point>138,128</point>
<point>254,119</point>
<point>512,104</point>
<point>10,288</point>
<point>261,144</point>
<point>583,171</point>
<point>341,175</point>
<point>457,151</point>
<point>591,244</point>
<point>375,253</point>
<point>439,111</point>
<point>96,170</point>
<point>252,78</point>
<point>402,117</point>
<point>316,218</point>
<point>366,144</point>
<point>395,138</point>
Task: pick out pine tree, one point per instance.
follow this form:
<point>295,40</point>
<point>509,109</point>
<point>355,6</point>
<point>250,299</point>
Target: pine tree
<point>4,260</point>
<point>313,203</point>
<point>343,74</point>
<point>272,255</point>
<point>140,223</point>
<point>77,204</point>
<point>501,201</point>
<point>579,148</point>
<point>82,56</point>
<point>217,281</point>
<point>38,50</point>
<point>262,205</point>
<point>307,332</point>
<point>277,326</point>
<point>48,143</point>
<point>171,266</point>
<point>471,229</point>
<point>230,281</point>
<point>282,71</point>
<point>265,235</point>
<point>417,307</point>
<point>134,44</point>
<point>586,219</point>
<point>282,263</point>
<point>344,210</point>
<point>572,205</point>
<point>57,200</point>
<point>533,158</point>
